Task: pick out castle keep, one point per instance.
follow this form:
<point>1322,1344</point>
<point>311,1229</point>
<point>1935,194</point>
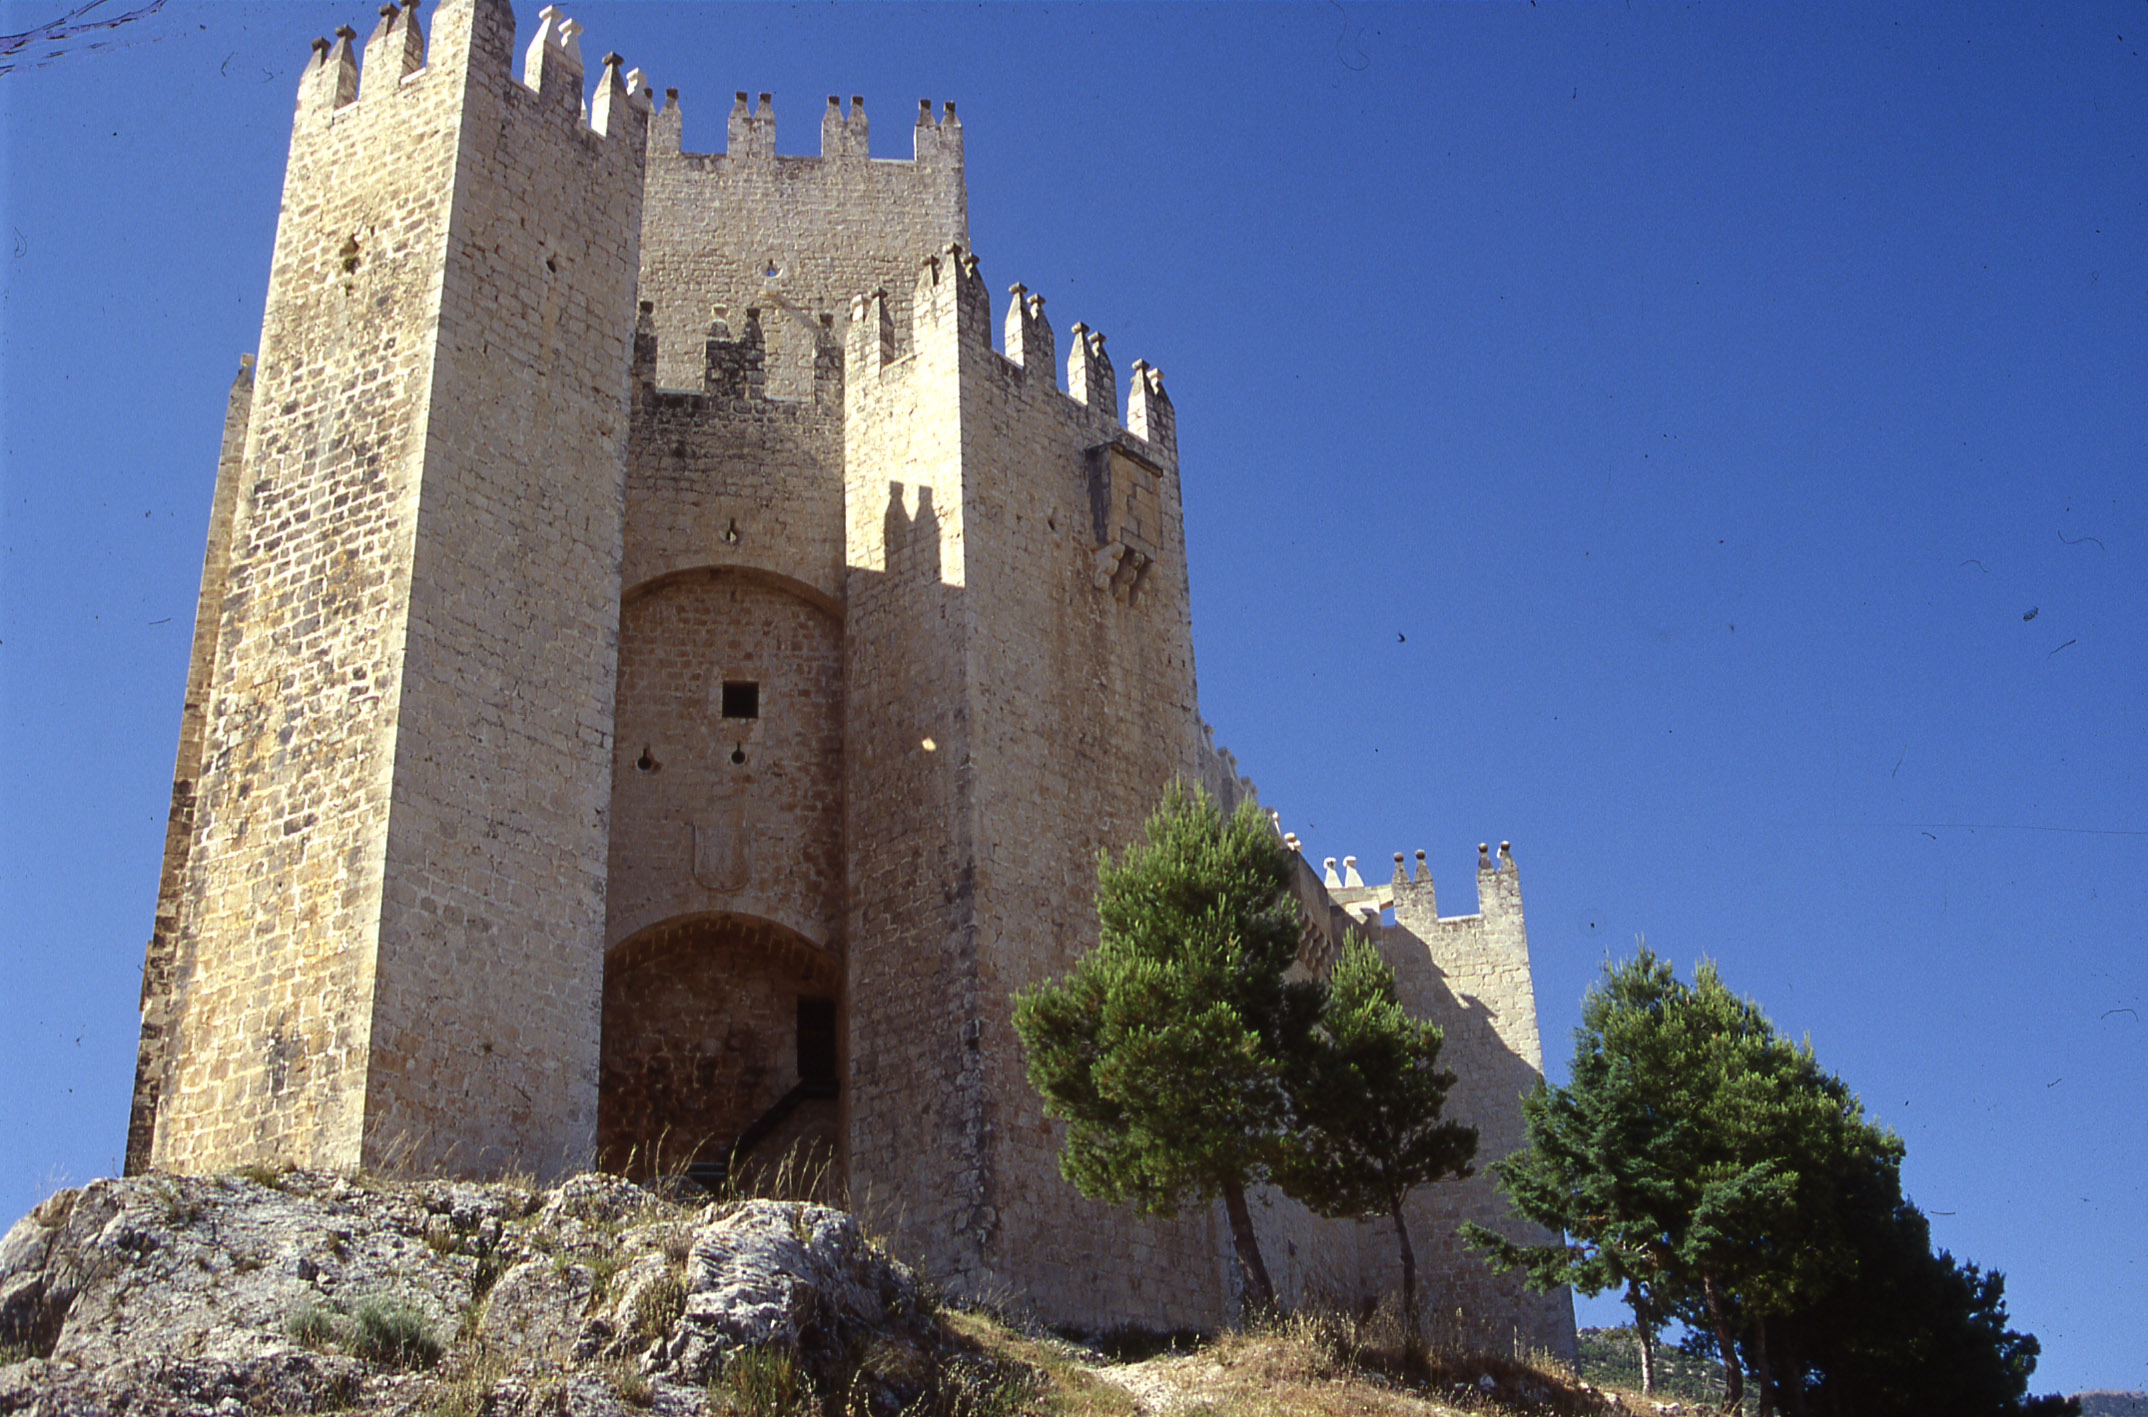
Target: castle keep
<point>662,678</point>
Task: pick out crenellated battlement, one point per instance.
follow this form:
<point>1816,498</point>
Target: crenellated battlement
<point>737,368</point>
<point>949,293</point>
<point>1410,892</point>
<point>395,56</point>
<point>750,133</point>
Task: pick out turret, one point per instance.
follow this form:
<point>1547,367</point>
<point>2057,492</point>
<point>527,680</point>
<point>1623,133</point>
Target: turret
<point>416,431</point>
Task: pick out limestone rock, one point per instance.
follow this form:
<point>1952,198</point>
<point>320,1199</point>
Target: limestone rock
<point>268,1291</point>
<point>792,1276</point>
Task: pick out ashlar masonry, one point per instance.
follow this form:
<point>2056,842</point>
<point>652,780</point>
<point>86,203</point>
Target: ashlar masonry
<point>662,677</point>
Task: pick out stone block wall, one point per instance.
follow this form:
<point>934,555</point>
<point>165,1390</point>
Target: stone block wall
<point>269,1026</point>
<point>1470,975</point>
<point>160,961</point>
<point>737,480</point>
<point>1082,711</point>
<point>738,814</point>
<point>795,237</point>
<point>489,980</point>
<point>378,951</point>
<point>907,787</point>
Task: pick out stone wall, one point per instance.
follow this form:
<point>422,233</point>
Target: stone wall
<point>907,780</point>
<point>727,812</point>
<point>1470,975</point>
<point>795,237</point>
<point>490,976</point>
<point>160,961</point>
<point>380,952</point>
<point>269,1030</point>
<point>730,477</point>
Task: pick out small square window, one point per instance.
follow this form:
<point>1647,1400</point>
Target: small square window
<point>741,700</point>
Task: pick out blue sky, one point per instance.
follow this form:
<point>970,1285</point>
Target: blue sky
<point>1705,446</point>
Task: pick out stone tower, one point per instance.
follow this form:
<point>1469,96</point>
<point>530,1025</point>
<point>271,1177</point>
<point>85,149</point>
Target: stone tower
<point>381,924</point>
<point>663,677</point>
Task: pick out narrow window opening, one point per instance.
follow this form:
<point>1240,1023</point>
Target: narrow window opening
<point>817,1071</point>
<point>741,699</point>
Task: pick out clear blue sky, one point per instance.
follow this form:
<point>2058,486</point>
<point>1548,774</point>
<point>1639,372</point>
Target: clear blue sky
<point>1703,445</point>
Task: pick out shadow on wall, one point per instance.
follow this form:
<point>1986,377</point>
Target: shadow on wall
<point>710,1024</point>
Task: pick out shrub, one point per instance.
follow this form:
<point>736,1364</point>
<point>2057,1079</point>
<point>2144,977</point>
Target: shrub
<point>314,1326</point>
<point>658,1306</point>
<point>393,1333</point>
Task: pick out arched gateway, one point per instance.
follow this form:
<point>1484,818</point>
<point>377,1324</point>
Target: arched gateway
<point>721,1047</point>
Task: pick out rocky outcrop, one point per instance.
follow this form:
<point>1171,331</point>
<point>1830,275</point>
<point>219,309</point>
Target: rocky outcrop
<point>299,1291</point>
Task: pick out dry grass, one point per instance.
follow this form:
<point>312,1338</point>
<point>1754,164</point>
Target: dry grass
<point>1304,1365</point>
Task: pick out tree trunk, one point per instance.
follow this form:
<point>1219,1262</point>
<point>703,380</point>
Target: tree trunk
<point>1733,1370</point>
<point>1794,1352</point>
<point>1761,1367</point>
<point>1644,1330</point>
<point>1260,1290</point>
<point>1409,1282</point>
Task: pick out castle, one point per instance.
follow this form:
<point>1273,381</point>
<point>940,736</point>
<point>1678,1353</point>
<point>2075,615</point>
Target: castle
<point>662,679</point>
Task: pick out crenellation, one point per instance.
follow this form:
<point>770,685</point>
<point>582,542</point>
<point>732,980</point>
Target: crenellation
<point>630,713</point>
<point>618,101</point>
<point>843,136</point>
<point>394,51</point>
<point>1027,336</point>
<point>330,79</point>
<point>1091,381</point>
<point>552,65</point>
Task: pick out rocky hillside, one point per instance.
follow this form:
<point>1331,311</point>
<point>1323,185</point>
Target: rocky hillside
<point>299,1292</point>
<point>293,1291</point>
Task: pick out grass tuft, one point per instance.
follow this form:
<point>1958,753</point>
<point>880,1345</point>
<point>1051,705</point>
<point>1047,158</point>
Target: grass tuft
<point>394,1334</point>
<point>760,1382</point>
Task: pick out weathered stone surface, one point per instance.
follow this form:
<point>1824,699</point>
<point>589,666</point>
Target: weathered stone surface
<point>792,1276</point>
<point>196,1295</point>
<point>662,679</point>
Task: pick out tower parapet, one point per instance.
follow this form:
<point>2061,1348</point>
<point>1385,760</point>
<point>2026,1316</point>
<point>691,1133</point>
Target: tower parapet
<point>800,234</point>
<point>395,50</point>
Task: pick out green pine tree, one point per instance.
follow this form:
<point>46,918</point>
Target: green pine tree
<point>1165,1049</point>
<point>1714,1169</point>
<point>1368,1094</point>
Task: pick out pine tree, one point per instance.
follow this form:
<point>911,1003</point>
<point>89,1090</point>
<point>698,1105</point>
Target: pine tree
<point>1604,1156</point>
<point>1367,1095</point>
<point>1713,1168</point>
<point>1165,1049</point>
